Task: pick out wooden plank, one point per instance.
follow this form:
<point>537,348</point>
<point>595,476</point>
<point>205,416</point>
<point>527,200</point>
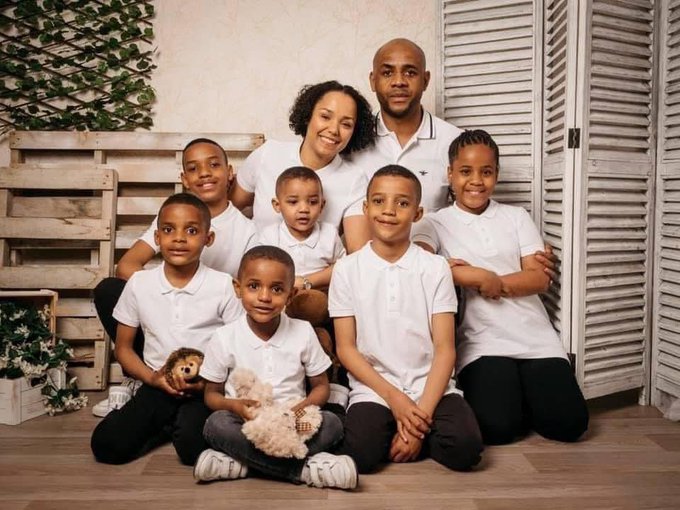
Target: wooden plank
<point>135,206</point>
<point>56,178</point>
<point>147,172</point>
<point>54,228</point>
<point>76,307</point>
<point>127,141</point>
<point>56,207</point>
<point>51,277</point>
<point>79,328</point>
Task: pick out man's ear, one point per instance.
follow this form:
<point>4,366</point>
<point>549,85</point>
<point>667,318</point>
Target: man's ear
<point>209,239</point>
<point>426,78</point>
<point>371,81</point>
<point>237,287</point>
<point>276,205</point>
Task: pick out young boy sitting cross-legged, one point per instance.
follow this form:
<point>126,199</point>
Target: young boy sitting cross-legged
<point>178,304</point>
<point>283,352</point>
<point>393,306</point>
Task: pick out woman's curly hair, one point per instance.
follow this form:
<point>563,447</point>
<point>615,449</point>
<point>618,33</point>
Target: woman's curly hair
<point>301,113</point>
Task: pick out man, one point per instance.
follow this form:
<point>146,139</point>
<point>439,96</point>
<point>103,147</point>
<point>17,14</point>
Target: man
<point>408,135</point>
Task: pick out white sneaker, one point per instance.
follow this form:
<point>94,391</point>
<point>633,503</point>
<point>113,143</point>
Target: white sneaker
<point>214,465</point>
<point>328,470</point>
<point>118,397</point>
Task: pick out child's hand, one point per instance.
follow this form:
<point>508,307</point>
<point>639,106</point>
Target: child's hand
<point>457,263</point>
<point>410,418</point>
<point>491,286</point>
<point>244,407</point>
<point>549,261</point>
<point>159,381</point>
<point>401,451</point>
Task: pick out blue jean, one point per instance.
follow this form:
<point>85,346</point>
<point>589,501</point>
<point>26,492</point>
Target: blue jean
<point>222,432</point>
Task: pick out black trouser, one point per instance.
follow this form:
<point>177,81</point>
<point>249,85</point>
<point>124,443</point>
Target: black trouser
<point>510,396</point>
<point>149,419</point>
<point>454,439</point>
<point>106,295</point>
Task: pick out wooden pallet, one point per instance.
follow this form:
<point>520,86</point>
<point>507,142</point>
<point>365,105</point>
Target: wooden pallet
<point>148,167</point>
<point>56,231</point>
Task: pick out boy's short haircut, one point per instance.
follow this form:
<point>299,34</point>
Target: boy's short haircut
<point>297,172</point>
<point>301,113</point>
<point>398,171</point>
<point>473,137</point>
<point>187,199</point>
<point>204,140</point>
<point>267,252</point>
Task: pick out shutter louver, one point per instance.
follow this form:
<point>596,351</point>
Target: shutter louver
<point>488,83</point>
<point>666,353</point>
<point>612,234</point>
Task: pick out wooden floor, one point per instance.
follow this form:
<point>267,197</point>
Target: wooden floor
<point>630,459</point>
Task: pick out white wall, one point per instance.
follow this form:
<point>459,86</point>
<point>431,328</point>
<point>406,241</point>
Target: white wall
<point>236,65</point>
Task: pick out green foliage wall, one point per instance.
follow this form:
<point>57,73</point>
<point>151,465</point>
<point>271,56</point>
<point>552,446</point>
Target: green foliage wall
<point>76,64</point>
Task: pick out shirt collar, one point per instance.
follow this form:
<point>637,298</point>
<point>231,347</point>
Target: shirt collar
<point>287,239</point>
<point>277,338</point>
<point>467,218</point>
<point>426,130</point>
<point>333,165</point>
<point>406,261</point>
<point>190,288</point>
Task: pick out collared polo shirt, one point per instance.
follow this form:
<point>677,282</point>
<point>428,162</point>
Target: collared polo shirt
<point>426,154</point>
<point>284,361</point>
<point>234,235</point>
<point>495,240</point>
<point>321,249</point>
<point>393,305</point>
<point>343,182</point>
<point>172,318</point>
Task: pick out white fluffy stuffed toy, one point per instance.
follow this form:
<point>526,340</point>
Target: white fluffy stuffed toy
<point>275,429</point>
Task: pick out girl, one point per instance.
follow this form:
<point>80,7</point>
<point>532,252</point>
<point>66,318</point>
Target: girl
<point>333,120</point>
<point>511,364</point>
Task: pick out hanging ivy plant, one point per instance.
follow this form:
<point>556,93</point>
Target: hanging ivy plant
<point>76,64</point>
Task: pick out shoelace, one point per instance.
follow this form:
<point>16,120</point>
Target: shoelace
<point>320,472</point>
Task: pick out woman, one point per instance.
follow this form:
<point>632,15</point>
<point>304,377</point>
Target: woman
<point>334,120</point>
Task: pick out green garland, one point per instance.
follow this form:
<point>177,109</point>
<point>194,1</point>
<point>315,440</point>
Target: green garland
<point>78,64</point>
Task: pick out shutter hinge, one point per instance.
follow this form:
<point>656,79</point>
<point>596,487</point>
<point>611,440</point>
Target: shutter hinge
<point>574,138</point>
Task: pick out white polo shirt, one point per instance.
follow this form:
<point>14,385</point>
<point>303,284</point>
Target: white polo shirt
<point>234,235</point>
<point>321,249</point>
<point>343,183</point>
<point>393,305</point>
<point>284,361</point>
<point>495,240</point>
<point>172,318</point>
<point>426,154</point>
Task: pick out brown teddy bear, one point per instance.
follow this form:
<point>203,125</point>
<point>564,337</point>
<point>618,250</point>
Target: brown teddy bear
<point>183,363</point>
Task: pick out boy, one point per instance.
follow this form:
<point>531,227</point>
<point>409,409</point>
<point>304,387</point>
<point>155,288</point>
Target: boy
<point>313,245</point>
<point>207,174</point>
<point>283,352</point>
<point>178,304</point>
<point>393,306</point>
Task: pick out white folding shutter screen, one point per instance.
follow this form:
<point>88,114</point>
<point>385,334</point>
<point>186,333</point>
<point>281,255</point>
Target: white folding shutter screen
<point>666,363</point>
<point>488,83</point>
<point>612,198</point>
<point>557,173</point>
